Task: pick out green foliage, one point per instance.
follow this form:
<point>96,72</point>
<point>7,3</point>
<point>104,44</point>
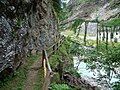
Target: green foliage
<point>60,11</point>
<point>75,48</point>
<point>64,49</point>
<point>76,24</point>
<point>16,82</point>
<point>108,59</point>
<point>54,60</point>
<point>19,23</point>
<point>56,78</point>
<point>62,14</point>
<point>60,87</point>
<point>113,22</point>
<point>72,71</point>
<point>91,43</point>
<point>34,57</point>
<point>63,54</point>
<point>116,86</point>
<point>110,56</point>
<point>57,5</point>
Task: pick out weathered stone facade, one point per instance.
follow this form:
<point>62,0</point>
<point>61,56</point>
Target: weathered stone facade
<point>25,26</point>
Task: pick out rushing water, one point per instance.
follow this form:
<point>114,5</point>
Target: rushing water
<point>92,76</point>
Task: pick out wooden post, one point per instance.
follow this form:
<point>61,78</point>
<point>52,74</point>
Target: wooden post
<point>106,38</point>
<point>86,24</point>
<point>48,65</point>
<point>103,37</point>
<point>116,30</point>
<point>79,28</point>
<point>60,68</point>
<point>119,31</point>
<point>99,31</point>
<point>43,57</point>
<point>47,72</point>
<point>115,39</point>
<point>97,37</point>
<point>54,49</point>
<point>57,46</point>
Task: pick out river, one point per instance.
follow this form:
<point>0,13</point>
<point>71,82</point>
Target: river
<point>93,76</point>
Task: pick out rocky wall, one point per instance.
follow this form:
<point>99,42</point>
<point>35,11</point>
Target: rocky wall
<point>25,26</point>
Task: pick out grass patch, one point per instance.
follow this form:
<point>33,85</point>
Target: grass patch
<point>18,80</point>
<point>39,83</point>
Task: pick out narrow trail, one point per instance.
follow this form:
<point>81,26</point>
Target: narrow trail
<point>34,72</point>
<point>32,75</point>
<point>46,82</point>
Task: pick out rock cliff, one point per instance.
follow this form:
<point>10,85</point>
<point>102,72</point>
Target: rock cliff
<point>25,26</point>
<point>92,9</point>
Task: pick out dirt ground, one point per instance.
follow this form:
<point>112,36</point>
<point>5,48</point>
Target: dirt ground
<point>32,75</point>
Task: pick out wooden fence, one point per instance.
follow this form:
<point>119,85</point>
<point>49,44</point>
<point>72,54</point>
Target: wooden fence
<point>108,34</point>
<point>46,53</point>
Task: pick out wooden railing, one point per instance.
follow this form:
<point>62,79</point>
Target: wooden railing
<point>46,53</point>
<point>50,50</point>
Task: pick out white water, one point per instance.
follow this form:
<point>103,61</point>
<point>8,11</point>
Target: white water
<point>92,76</point>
